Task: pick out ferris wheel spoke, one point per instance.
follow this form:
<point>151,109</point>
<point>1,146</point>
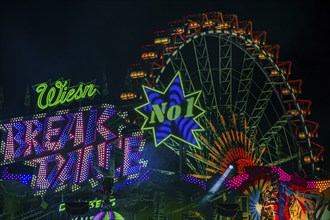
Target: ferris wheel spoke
<point>178,64</point>
<point>205,72</point>
<point>205,161</point>
<point>245,80</point>
<point>273,130</point>
<point>173,145</point>
<point>259,108</point>
<point>276,146</point>
<point>286,133</point>
<point>225,73</point>
<point>192,167</point>
<point>231,87</point>
<point>160,86</point>
<point>283,160</point>
<point>270,155</point>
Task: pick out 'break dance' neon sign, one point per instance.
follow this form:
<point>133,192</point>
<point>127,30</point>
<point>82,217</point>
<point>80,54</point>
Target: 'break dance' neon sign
<point>67,146</point>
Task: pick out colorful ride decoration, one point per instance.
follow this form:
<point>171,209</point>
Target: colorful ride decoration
<point>71,148</point>
<point>274,194</point>
<point>231,147</point>
<point>108,215</point>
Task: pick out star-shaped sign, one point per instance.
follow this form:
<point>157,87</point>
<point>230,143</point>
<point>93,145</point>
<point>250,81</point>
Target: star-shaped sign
<point>172,113</point>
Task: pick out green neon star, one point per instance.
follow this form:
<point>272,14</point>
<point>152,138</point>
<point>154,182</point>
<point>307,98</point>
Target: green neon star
<point>172,113</point>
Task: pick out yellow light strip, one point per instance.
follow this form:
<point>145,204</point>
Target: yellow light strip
<point>215,151</point>
<point>234,120</point>
<point>233,136</point>
<point>218,145</point>
<point>224,138</point>
<point>323,185</point>
<point>204,140</point>
<point>208,162</point>
<point>228,136</point>
<point>223,122</point>
<point>211,170</point>
<point>201,176</point>
<point>241,133</point>
<point>212,127</point>
<point>214,158</point>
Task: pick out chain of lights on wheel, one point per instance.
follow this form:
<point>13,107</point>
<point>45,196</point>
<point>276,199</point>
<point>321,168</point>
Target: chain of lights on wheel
<point>167,43</point>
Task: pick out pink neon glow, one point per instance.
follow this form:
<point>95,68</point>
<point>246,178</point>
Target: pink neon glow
<point>12,139</point>
<point>103,154</point>
<point>44,177</point>
<point>130,155</point>
<point>51,132</point>
<point>86,164</point>
<point>283,176</point>
<point>103,130</point>
<point>30,137</point>
<point>237,181</point>
<point>311,184</point>
<point>81,133</point>
<point>70,172</point>
<point>78,135</point>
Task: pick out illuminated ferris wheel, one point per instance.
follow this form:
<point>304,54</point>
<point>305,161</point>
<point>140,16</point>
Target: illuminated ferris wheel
<point>254,111</point>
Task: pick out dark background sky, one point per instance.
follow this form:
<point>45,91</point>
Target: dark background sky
<point>80,40</point>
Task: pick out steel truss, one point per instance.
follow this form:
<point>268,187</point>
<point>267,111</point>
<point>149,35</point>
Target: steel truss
<point>228,89</point>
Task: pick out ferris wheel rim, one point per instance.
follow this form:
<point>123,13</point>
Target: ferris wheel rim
<point>265,73</point>
<point>169,41</point>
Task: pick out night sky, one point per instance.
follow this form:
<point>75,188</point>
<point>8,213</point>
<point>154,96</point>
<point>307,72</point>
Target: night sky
<point>81,40</point>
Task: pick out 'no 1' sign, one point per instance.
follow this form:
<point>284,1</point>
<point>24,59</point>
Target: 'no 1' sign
<point>172,113</point>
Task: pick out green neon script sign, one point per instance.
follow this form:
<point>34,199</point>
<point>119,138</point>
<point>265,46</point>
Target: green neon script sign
<point>61,93</point>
